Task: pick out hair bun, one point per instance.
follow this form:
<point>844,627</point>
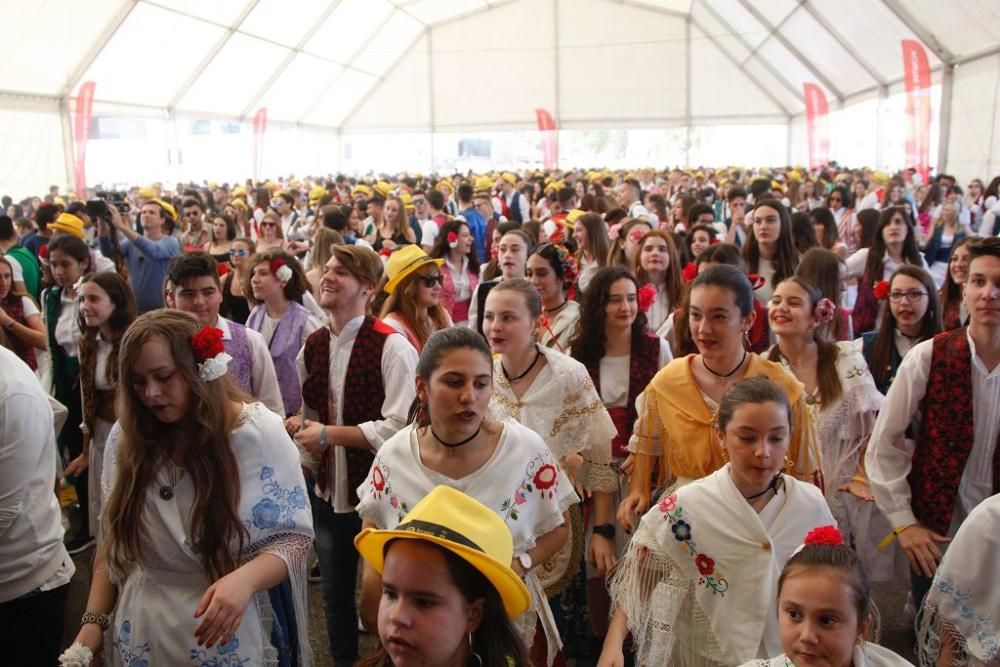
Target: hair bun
<point>825,535</point>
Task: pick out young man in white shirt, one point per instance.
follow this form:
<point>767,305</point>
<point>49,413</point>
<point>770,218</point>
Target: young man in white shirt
<point>927,487</point>
<point>35,569</point>
<point>195,288</point>
<point>358,378</point>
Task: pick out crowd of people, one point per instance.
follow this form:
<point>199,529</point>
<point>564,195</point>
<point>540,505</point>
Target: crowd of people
<point>658,417</point>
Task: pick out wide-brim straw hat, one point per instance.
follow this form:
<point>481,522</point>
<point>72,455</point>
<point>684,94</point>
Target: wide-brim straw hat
<point>405,261</point>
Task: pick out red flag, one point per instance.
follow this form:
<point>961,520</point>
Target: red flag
<point>550,146</point>
<point>817,125</point>
<point>917,77</point>
<point>259,128</point>
<point>81,133</point>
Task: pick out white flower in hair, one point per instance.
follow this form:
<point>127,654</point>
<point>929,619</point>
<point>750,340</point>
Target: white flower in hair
<point>76,655</point>
<point>209,351</point>
<point>284,274</point>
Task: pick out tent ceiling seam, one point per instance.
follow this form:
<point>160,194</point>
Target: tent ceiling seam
<point>380,80</point>
<point>98,46</point>
<point>775,33</point>
<point>843,41</point>
<point>320,20</point>
<point>918,29</point>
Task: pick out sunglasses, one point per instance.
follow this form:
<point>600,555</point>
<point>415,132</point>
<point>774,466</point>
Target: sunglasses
<point>431,281</point>
<point>268,224</point>
<point>236,252</point>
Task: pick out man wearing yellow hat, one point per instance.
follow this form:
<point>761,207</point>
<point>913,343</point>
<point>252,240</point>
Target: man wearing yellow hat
<point>148,255</point>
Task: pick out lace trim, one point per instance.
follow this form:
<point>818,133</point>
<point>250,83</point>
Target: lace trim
<point>290,546</point>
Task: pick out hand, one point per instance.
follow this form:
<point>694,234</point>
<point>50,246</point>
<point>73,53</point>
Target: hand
<point>628,465</point>
<point>5,319</point>
<point>572,465</point>
<point>611,656</point>
<point>601,554</point>
<point>77,466</point>
<point>630,508</point>
<point>116,218</point>
<point>388,244</point>
<point>921,549</point>
<point>292,424</point>
<point>308,437</point>
<point>859,490</point>
<point>221,609</point>
<point>515,565</point>
<point>92,636</point>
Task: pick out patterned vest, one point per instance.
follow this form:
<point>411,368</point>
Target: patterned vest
<point>866,307</point>
<point>947,433</point>
<point>15,308</point>
<point>643,364</point>
<point>284,348</point>
<point>241,367</point>
<point>363,403</point>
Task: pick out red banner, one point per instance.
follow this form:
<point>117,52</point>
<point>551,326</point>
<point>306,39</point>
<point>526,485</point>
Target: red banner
<point>917,77</point>
<point>81,133</point>
<point>259,128</point>
<point>550,141</point>
<point>817,125</point>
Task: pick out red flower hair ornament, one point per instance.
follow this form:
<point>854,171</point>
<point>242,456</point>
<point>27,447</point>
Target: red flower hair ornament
<point>825,535</point>
<point>645,297</point>
<point>881,289</point>
<point>452,240</point>
<point>280,270</point>
<point>210,353</point>
<point>690,272</point>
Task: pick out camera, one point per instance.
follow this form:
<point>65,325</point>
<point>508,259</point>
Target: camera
<point>98,207</point>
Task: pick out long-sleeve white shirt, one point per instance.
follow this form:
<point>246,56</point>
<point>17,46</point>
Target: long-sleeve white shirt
<point>399,370</point>
<point>890,456</point>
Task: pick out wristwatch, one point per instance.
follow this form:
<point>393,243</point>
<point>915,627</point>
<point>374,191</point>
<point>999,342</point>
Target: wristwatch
<point>606,530</point>
<point>525,560</point>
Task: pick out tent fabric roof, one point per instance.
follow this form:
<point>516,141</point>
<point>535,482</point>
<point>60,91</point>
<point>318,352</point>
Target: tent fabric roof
<point>428,65</point>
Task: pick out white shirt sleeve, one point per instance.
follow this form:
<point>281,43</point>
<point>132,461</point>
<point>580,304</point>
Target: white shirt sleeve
<point>890,455</point>
<point>263,379</point>
<point>399,370</point>
<point>29,307</point>
<point>309,301</point>
<point>16,270</point>
<point>429,233</point>
<point>856,263</point>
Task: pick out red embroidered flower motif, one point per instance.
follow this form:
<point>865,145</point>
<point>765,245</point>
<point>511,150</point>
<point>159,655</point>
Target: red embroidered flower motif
<point>645,297</point>
<point>825,535</point>
<point>207,344</point>
<point>705,565</point>
<point>690,272</point>
<point>546,477</point>
<point>378,479</point>
<point>881,289</point>
<point>668,504</point>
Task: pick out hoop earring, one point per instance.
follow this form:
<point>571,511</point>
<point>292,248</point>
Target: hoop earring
<point>473,654</point>
<point>421,413</point>
<point>746,340</point>
<point>789,465</point>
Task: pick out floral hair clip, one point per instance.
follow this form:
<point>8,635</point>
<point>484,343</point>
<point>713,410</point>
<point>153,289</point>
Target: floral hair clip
<point>881,289</point>
<point>636,235</point>
<point>690,272</point>
<point>43,253</point>
<point>570,268</point>
<point>825,311</point>
<point>614,231</point>
<point>452,240</point>
<point>210,353</point>
<point>824,535</point>
<point>280,270</point>
<point>645,297</point>
<point>756,280</point>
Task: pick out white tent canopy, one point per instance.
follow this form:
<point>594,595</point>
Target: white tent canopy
<point>330,69</point>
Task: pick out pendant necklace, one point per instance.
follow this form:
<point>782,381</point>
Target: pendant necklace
<point>174,474</point>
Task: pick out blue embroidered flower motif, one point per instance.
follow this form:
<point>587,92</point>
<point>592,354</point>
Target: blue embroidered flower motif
<point>682,531</point>
<point>131,656</point>
<point>267,472</point>
<point>297,498</point>
<point>266,513</point>
<point>125,633</point>
<point>229,647</point>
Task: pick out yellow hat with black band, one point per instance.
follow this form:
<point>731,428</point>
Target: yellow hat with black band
<point>454,521</point>
<point>67,223</point>
<point>405,261</point>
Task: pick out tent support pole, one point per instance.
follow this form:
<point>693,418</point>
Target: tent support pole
<point>944,133</point>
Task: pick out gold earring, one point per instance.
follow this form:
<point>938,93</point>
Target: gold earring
<point>725,454</point>
<point>789,465</point>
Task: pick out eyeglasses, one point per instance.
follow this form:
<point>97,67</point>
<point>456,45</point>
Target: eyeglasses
<point>431,281</point>
<point>419,202</point>
<point>268,224</point>
<point>238,252</point>
<point>911,296</point>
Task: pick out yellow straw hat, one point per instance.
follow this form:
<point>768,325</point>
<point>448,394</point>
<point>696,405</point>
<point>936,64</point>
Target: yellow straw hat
<point>362,189</point>
<point>68,224</point>
<point>168,208</point>
<point>405,261</point>
<point>464,526</point>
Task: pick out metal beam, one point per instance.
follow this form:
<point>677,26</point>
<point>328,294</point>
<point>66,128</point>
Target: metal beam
<point>742,40</point>
<point>320,20</point>
<point>736,63</point>
<point>794,50</point>
<point>831,28</point>
<point>379,80</point>
<point>430,91</point>
<point>659,10</point>
<point>917,28</point>
<point>978,55</point>
<point>555,66</point>
<point>883,94</point>
<point>210,56</point>
<point>69,157</point>
<point>472,12</point>
<point>944,130</point>
<point>687,93</point>
<point>993,125</point>
<point>95,50</point>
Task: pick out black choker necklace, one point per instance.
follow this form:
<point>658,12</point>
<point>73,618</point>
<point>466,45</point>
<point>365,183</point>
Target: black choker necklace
<point>538,354</point>
<point>456,445</point>
<point>776,483</point>
<point>559,307</point>
<point>724,375</point>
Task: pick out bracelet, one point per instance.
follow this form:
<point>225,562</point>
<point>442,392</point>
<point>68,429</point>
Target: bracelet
<point>322,438</point>
<point>860,480</point>
<point>893,535</point>
<point>96,617</point>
